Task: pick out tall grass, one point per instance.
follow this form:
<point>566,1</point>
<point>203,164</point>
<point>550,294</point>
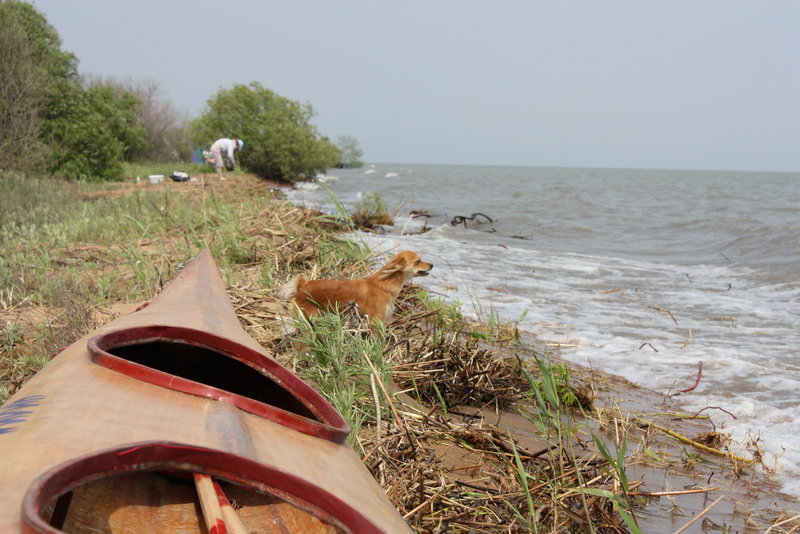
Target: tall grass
<point>346,364</point>
<point>71,246</point>
<point>52,231</point>
<point>555,422</point>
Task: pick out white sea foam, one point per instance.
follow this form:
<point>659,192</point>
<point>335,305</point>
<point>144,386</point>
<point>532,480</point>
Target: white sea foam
<point>327,178</point>
<point>306,186</point>
<point>619,314</point>
<point>647,311</point>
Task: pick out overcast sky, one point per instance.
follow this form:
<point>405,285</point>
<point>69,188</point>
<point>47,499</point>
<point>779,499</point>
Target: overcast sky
<point>683,84</point>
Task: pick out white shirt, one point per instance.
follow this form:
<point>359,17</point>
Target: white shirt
<point>226,145</point>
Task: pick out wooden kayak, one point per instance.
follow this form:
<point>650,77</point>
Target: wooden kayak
<point>173,420</point>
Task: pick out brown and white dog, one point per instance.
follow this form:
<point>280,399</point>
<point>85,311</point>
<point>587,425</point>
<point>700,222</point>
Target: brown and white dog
<point>374,295</point>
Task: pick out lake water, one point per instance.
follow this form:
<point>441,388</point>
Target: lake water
<point>640,273</point>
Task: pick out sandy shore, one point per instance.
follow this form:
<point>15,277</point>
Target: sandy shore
<point>743,499</point>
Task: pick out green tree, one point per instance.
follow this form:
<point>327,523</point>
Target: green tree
<point>48,120</point>
<point>20,98</point>
<point>92,132</point>
<point>34,72</point>
<point>165,126</point>
<point>350,153</point>
<point>280,141</point>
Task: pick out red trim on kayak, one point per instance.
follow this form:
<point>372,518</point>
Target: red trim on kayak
<point>295,404</point>
<point>172,457</point>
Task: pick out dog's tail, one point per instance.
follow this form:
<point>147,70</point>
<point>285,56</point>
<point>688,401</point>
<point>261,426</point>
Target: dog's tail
<point>289,289</point>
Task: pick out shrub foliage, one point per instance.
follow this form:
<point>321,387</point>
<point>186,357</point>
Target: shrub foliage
<point>92,132</point>
<point>280,141</point>
<point>349,152</point>
<point>49,121</point>
<point>53,120</point>
<point>33,72</point>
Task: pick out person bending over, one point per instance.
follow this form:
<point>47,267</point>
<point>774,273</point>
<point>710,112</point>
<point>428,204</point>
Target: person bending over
<point>227,146</point>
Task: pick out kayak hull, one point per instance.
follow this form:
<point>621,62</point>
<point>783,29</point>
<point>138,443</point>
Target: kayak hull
<point>108,418</point>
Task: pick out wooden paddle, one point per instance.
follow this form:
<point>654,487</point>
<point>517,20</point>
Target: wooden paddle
<point>220,516</point>
<point>229,515</point>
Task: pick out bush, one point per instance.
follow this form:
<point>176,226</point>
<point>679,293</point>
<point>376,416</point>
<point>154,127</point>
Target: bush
<point>349,152</point>
<point>33,72</point>
<point>371,211</point>
<point>93,132</point>
<point>48,121</point>
<point>280,142</point>
<point>165,126</point>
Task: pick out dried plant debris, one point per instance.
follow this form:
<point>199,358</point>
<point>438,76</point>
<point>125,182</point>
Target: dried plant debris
<point>457,477</point>
<point>466,444</point>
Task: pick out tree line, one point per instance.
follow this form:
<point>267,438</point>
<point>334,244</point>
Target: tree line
<point>55,121</point>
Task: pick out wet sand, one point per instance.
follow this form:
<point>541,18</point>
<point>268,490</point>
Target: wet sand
<point>750,500</point>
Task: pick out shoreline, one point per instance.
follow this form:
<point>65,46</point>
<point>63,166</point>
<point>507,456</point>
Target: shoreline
<point>751,499</point>
<point>672,471</point>
<point>748,498</point>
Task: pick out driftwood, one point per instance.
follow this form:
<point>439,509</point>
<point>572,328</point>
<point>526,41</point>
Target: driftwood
<point>461,219</point>
<point>692,442</point>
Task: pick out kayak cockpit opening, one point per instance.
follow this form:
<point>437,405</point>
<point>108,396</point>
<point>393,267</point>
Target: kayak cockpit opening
<point>199,363</point>
<point>157,487</point>
<point>207,366</point>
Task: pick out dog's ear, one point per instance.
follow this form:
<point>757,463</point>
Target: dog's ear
<point>398,263</point>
